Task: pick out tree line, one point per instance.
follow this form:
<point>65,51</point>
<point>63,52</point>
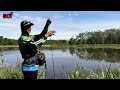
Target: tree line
<point>7,41</point>
<point>111,36</point>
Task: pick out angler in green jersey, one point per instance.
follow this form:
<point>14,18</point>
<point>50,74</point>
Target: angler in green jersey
<point>33,58</point>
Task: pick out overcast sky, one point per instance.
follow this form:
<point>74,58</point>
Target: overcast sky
<point>66,23</point>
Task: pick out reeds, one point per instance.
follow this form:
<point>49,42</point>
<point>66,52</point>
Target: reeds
<point>81,73</point>
<point>9,72</point>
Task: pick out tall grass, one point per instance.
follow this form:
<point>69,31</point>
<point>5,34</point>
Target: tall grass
<point>81,73</point>
<point>9,72</point>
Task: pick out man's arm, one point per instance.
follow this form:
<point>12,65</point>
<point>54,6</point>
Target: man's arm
<point>43,39</point>
<point>44,31</point>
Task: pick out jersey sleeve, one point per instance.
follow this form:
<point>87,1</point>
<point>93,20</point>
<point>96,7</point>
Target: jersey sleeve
<point>41,41</point>
<point>41,35</point>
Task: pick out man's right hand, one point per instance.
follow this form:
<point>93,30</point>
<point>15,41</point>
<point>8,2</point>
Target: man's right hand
<point>50,33</point>
<point>48,22</point>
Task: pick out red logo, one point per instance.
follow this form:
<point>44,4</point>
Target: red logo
<point>7,15</point>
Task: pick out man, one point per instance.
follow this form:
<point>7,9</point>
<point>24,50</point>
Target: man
<point>28,48</point>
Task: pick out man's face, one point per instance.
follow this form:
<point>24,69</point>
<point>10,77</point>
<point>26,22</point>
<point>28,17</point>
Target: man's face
<point>29,29</point>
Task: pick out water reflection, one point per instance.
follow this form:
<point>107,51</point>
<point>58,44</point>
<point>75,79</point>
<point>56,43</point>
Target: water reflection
<point>106,54</point>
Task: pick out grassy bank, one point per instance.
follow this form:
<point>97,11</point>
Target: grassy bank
<point>117,46</point>
<point>100,45</point>
<point>77,73</point>
<point>9,72</point>
<point>81,73</point>
<point>8,47</point>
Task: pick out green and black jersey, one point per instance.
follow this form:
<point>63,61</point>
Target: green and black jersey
<point>28,44</point>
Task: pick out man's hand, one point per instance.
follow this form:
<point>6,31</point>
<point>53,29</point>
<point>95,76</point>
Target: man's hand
<point>48,22</point>
<point>50,33</point>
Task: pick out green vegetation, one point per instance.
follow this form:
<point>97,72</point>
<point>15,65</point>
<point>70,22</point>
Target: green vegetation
<point>115,46</point>
<point>98,38</point>
<point>6,41</point>
<point>9,72</point>
<point>81,73</point>
<point>111,36</point>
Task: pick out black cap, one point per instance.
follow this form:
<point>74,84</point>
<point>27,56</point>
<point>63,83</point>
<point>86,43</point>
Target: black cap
<point>26,23</point>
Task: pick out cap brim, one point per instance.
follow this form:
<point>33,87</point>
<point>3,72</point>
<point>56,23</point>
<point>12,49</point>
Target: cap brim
<point>31,24</point>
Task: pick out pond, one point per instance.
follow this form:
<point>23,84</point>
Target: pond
<point>89,58</point>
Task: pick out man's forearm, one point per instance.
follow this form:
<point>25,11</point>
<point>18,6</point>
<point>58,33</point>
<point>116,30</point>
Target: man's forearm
<point>46,26</point>
<point>44,31</point>
<point>40,41</point>
<point>42,34</point>
<point>48,22</point>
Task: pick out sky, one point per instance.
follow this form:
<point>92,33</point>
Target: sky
<point>66,23</point>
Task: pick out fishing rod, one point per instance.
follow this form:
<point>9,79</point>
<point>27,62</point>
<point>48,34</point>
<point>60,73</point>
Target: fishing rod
<point>46,70</point>
<point>52,60</point>
<point>2,52</point>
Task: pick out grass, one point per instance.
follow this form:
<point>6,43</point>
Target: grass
<point>8,72</point>
<point>117,46</point>
<point>81,73</point>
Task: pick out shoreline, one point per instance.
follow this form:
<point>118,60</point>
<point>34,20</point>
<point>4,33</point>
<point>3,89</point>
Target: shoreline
<point>116,46</point>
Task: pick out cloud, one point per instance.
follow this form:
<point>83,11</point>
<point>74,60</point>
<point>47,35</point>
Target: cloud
<point>16,14</point>
<point>26,17</point>
<point>15,21</point>
<point>76,14</point>
<point>69,14</point>
<point>1,17</point>
<point>39,19</point>
<point>57,16</point>
<point>9,26</point>
<point>3,28</point>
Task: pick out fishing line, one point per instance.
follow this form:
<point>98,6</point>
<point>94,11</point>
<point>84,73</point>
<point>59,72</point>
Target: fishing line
<point>46,70</point>
<point>52,59</point>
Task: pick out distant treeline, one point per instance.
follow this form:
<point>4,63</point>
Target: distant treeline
<point>57,42</point>
<point>111,36</point>
<point>6,41</point>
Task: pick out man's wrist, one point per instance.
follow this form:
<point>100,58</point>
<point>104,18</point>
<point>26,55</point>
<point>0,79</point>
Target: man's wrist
<point>46,26</point>
<point>45,37</point>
